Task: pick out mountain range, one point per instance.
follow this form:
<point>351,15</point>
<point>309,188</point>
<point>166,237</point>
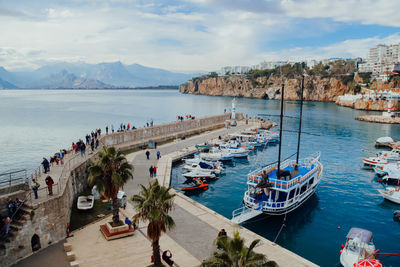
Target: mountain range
<point>80,75</point>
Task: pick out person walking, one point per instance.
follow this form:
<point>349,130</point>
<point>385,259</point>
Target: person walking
<point>49,181</point>
<point>112,128</point>
<point>35,187</point>
<point>107,129</point>
<point>155,145</point>
<point>151,170</point>
<point>155,171</point>
<point>148,154</point>
<point>97,143</point>
<point>46,165</point>
<point>92,145</point>
<point>158,154</point>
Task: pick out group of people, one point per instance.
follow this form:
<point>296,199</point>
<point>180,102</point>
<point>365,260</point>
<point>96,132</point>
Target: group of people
<point>122,128</point>
<point>153,171</point>
<point>57,158</point>
<point>13,214</point>
<point>188,117</point>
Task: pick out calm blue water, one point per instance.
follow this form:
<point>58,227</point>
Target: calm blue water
<point>38,123</point>
<point>346,197</point>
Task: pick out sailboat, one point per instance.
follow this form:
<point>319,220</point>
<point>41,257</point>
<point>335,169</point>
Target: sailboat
<point>282,187</point>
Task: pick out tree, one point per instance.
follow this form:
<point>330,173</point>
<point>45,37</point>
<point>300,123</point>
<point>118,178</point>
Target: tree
<point>233,252</point>
<point>153,204</point>
<point>108,174</point>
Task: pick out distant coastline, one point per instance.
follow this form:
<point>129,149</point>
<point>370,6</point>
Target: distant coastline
<point>160,87</point>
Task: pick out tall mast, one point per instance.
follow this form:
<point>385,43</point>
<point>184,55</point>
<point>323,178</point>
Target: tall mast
<point>280,130</point>
<point>301,114</point>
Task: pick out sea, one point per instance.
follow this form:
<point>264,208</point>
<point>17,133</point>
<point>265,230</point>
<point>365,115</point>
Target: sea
<point>37,123</point>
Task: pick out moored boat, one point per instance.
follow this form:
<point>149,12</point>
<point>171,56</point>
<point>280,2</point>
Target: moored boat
<point>281,187</point>
<point>359,246</point>
<point>383,141</point>
<point>391,193</point>
<point>85,202</point>
<point>200,174</point>
<point>198,184</point>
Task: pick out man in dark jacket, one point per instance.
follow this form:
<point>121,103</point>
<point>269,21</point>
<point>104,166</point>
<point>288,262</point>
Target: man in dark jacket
<point>46,165</point>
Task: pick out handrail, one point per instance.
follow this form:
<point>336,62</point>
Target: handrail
<point>8,173</point>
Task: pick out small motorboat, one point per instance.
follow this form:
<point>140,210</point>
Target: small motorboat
<point>197,185</point>
<point>223,156</point>
<point>197,160</point>
<point>200,174</point>
<point>85,202</point>
<point>391,193</point>
<point>359,246</point>
<point>203,166</point>
<point>383,141</point>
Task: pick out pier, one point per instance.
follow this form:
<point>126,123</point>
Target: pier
<point>188,247</point>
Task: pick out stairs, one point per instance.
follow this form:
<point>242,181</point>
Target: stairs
<point>17,223</point>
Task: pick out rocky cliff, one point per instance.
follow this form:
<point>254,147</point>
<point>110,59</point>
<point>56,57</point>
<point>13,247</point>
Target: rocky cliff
<point>315,88</point>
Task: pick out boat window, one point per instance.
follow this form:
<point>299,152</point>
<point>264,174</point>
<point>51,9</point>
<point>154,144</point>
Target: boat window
<point>291,193</point>
<point>303,189</point>
<point>311,181</point>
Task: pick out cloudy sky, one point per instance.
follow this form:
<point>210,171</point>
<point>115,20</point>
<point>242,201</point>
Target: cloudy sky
<point>191,35</point>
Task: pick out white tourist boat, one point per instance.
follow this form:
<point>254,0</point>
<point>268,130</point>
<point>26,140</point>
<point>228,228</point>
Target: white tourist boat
<point>283,194</point>
<point>382,158</point>
<point>85,202</point>
<point>391,193</point>
<point>359,246</point>
<point>203,167</point>
<point>281,187</point>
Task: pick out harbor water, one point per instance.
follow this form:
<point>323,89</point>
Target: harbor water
<point>37,123</point>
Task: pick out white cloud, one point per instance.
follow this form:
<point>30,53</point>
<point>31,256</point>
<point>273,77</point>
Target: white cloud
<point>381,12</point>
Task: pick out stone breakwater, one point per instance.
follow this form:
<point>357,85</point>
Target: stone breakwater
<point>366,104</point>
<point>315,88</point>
<point>379,119</point>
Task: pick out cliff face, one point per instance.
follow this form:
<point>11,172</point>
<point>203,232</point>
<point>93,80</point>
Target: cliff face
<point>315,88</point>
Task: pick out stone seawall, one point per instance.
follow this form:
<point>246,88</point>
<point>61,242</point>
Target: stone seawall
<point>49,217</point>
<point>163,132</point>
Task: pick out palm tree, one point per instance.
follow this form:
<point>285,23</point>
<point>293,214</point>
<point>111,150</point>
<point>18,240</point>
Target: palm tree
<point>233,253</point>
<point>110,173</point>
<point>153,204</point>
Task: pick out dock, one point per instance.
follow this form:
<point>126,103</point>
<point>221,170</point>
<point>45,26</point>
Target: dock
<point>187,246</point>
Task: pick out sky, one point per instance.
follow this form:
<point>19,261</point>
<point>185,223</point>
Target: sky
<point>191,35</point>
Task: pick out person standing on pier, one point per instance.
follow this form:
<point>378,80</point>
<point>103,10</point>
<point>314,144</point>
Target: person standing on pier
<point>92,145</point>
<point>35,187</point>
<point>46,165</point>
<point>107,129</point>
<point>49,181</point>
<point>158,154</point>
<point>112,128</point>
<point>151,170</point>
<point>155,171</point>
<point>97,143</point>
<point>148,154</point>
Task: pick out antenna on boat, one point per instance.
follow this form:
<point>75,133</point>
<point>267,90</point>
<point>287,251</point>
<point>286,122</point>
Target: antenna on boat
<point>301,114</point>
<point>280,130</point>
